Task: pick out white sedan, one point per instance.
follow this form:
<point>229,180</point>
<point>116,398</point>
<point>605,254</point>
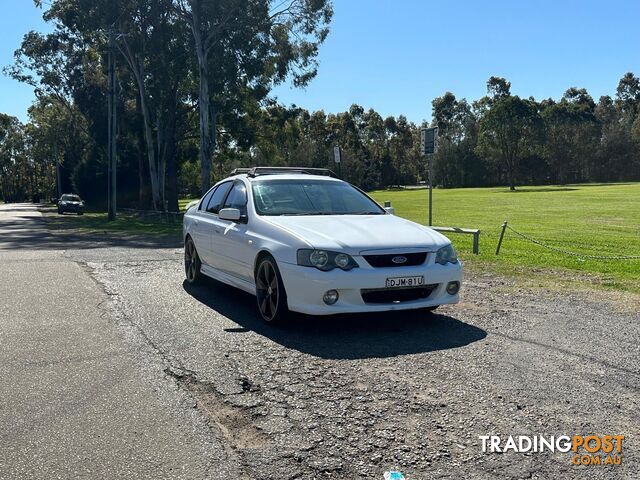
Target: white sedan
<point>303,241</point>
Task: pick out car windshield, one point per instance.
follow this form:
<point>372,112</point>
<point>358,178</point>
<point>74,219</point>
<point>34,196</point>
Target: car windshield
<point>311,197</point>
<point>70,198</point>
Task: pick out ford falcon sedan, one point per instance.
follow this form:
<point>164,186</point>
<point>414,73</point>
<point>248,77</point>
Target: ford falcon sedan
<point>301,240</point>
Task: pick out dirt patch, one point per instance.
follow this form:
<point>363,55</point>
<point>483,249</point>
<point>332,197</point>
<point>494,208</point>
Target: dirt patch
<point>236,423</point>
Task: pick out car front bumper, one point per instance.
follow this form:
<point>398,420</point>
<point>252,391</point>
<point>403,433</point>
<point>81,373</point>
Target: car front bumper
<point>306,286</point>
<point>71,208</point>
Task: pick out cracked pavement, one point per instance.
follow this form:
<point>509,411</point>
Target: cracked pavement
<point>214,392</point>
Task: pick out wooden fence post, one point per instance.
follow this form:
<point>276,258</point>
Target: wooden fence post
<point>504,227</point>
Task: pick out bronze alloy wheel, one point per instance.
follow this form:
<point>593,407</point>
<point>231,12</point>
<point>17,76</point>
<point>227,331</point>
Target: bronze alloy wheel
<point>270,294</point>
<point>192,262</point>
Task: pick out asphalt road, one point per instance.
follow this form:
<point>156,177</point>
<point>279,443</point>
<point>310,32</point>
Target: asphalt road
<point>114,368</point>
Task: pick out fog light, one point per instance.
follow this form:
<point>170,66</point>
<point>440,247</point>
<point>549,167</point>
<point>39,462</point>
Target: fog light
<point>453,288</point>
<point>330,297</point>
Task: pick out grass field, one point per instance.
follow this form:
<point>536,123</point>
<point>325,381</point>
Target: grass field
<point>590,219</point>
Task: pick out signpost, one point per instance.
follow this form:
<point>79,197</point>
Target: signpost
<point>428,147</point>
<point>337,158</point>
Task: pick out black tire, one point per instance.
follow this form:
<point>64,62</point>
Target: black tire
<point>192,263</point>
<point>60,212</point>
<point>271,296</point>
<point>80,213</point>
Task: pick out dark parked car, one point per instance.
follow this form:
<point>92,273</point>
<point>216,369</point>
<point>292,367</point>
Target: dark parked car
<point>70,203</point>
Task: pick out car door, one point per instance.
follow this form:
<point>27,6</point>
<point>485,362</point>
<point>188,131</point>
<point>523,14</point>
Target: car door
<point>234,242</point>
<point>198,227</point>
<point>209,225</point>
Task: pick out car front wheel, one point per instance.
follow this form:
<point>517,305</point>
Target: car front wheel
<point>192,263</point>
<point>270,293</point>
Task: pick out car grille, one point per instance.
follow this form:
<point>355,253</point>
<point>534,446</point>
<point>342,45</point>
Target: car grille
<point>396,295</point>
<point>382,261</point>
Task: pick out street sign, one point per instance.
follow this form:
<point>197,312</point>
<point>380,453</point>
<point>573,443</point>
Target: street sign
<point>428,141</point>
<point>337,154</point>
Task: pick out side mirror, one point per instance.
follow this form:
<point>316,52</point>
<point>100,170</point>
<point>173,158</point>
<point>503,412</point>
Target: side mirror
<point>390,210</point>
<point>231,214</point>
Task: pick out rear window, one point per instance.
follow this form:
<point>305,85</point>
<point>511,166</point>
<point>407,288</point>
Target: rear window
<point>218,197</point>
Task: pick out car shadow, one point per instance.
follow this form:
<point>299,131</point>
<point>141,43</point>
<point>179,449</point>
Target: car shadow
<point>341,337</point>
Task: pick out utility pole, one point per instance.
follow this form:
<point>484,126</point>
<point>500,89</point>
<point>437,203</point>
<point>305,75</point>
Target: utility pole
<point>430,189</point>
<point>111,135</point>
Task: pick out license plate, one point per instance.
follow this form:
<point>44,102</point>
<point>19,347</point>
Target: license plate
<point>404,282</point>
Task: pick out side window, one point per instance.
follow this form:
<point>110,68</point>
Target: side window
<point>205,200</point>
<point>218,197</point>
<point>237,198</point>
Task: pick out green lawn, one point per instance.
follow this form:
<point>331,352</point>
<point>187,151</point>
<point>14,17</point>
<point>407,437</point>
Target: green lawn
<point>592,219</point>
<point>124,223</point>
<point>183,202</point>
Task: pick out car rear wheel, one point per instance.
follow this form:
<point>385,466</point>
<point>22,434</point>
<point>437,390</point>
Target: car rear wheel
<point>270,293</point>
<point>192,263</point>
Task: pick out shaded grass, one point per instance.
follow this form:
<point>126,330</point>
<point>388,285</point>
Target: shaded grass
<point>591,219</point>
<point>124,222</point>
<point>96,221</point>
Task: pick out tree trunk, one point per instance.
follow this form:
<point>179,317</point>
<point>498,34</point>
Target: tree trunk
<point>204,99</point>
<point>153,171</point>
<point>137,68</point>
<point>169,153</point>
<point>205,129</point>
<point>143,184</point>
<point>512,180</point>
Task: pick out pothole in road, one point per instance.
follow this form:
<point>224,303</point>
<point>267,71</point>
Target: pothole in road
<point>234,422</point>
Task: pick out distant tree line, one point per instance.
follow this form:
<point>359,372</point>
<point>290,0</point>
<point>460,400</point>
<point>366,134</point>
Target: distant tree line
<point>192,74</point>
<point>194,82</point>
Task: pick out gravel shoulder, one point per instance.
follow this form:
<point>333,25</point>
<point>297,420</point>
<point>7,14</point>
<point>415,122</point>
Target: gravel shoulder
<point>353,396</point>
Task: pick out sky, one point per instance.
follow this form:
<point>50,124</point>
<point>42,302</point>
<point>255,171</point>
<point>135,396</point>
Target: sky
<point>397,56</point>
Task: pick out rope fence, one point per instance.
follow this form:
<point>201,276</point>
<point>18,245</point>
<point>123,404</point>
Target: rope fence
<point>582,256</point>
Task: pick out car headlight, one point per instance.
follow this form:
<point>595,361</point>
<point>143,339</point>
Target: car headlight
<point>325,260</point>
<point>446,255</point>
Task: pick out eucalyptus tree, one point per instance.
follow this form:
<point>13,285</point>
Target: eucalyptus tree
<point>243,48</point>
<point>57,137</point>
<point>457,126</point>
<point>510,129</point>
<point>572,136</point>
<point>153,45</point>
<point>15,173</point>
<point>59,66</point>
